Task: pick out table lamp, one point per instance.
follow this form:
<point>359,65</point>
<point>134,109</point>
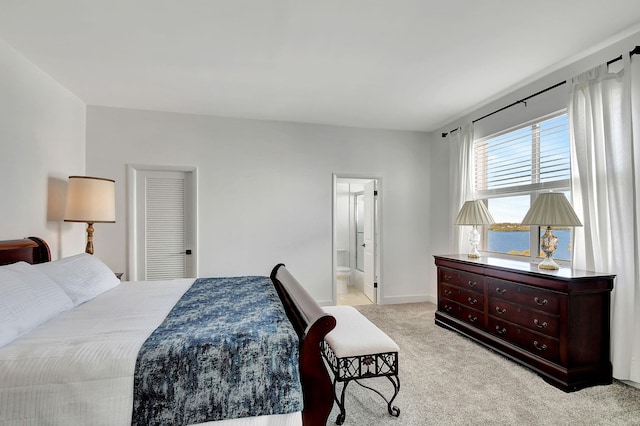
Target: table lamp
<point>90,200</point>
<point>474,213</point>
<point>551,209</point>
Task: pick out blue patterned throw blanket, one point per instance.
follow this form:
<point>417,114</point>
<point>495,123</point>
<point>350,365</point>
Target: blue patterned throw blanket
<point>226,350</point>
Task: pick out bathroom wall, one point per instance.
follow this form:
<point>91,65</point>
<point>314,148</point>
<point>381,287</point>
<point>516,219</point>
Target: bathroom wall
<point>346,226</point>
<point>343,223</point>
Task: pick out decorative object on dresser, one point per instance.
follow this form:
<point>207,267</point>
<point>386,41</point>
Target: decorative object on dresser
<point>550,209</point>
<point>554,322</point>
<point>474,213</point>
<point>90,200</point>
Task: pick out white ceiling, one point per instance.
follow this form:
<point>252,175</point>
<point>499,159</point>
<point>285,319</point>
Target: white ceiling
<point>395,64</point>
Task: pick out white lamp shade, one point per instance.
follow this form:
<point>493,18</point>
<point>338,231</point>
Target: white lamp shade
<point>474,213</point>
<point>551,209</point>
<point>90,199</point>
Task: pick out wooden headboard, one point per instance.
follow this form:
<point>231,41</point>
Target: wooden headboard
<point>30,250</point>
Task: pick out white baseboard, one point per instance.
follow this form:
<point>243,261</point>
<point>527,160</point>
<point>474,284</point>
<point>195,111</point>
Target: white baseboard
<point>631,383</point>
<point>395,300</point>
<point>416,298</point>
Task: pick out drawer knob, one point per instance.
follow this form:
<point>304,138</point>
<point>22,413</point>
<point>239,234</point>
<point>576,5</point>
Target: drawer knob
<point>540,302</point>
<point>539,324</point>
<point>501,290</point>
<point>500,330</point>
<point>472,318</point>
<point>539,347</point>
<point>447,308</point>
<point>500,310</point>
<point>447,277</point>
<point>448,292</point>
<point>472,283</point>
<point>472,301</point>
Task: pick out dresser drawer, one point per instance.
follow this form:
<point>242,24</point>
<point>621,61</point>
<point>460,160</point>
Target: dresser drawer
<point>468,315</point>
<point>462,296</point>
<point>538,344</point>
<point>530,297</point>
<point>462,279</point>
<point>530,318</point>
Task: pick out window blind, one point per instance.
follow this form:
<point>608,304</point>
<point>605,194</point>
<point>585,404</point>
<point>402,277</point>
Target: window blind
<point>532,157</point>
<point>165,230</point>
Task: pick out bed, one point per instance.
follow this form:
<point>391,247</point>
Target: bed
<point>88,362</point>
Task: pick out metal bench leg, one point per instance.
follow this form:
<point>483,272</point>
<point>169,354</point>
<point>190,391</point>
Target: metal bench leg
<point>395,381</point>
<point>340,402</point>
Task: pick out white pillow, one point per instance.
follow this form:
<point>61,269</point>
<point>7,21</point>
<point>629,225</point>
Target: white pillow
<point>28,298</point>
<point>82,276</point>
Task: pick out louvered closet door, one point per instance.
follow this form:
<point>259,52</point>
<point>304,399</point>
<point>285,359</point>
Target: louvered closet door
<point>162,200</point>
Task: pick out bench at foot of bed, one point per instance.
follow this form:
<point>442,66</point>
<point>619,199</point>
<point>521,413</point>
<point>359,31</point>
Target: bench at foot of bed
<point>356,349</point>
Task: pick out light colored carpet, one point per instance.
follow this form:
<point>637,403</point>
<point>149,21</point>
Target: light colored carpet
<point>447,379</point>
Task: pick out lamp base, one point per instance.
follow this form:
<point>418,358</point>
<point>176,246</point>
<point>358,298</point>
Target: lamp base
<point>548,244</point>
<point>474,240</point>
<point>89,247</point>
<point>548,264</point>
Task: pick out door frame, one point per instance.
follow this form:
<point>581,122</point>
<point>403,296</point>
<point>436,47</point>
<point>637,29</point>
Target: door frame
<point>132,228</point>
<point>377,230</point>
<point>370,282</point>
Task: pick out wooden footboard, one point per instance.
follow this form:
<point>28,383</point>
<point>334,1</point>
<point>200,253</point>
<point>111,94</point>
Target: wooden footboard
<point>312,323</point>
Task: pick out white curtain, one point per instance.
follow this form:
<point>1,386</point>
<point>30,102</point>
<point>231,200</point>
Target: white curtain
<point>461,177</point>
<point>606,194</point>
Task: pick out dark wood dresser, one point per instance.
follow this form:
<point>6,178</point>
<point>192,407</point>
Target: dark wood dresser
<point>554,322</point>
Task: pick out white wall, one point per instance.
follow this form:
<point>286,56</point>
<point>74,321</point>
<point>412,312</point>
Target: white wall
<point>265,192</point>
<point>42,140</point>
<point>441,216</point>
<point>343,222</point>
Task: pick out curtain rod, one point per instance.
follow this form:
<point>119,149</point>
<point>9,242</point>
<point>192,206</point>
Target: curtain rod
<point>635,51</point>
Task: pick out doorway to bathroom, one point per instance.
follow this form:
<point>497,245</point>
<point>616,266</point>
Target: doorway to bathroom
<point>356,241</point>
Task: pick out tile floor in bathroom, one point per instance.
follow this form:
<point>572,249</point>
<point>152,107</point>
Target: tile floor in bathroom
<point>353,297</point>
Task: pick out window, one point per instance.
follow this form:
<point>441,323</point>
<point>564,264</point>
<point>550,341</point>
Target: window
<point>514,166</point>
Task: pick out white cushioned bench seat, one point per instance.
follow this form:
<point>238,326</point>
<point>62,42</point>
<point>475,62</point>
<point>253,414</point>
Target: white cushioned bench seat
<point>356,349</point>
<point>355,335</point>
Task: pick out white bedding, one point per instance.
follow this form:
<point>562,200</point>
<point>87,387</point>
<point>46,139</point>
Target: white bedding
<point>77,369</point>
